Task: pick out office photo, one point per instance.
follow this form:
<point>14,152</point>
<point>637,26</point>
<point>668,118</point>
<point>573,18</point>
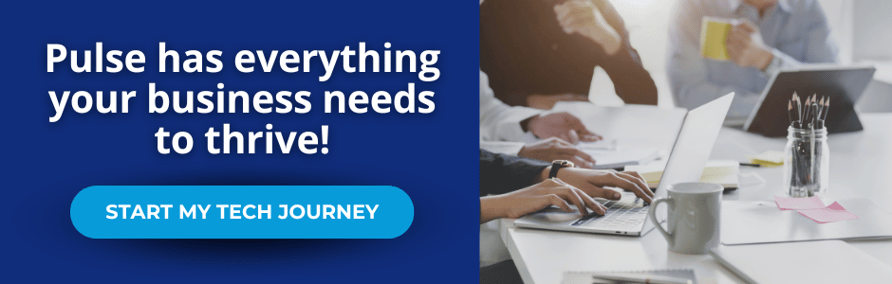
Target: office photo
<point>685,141</point>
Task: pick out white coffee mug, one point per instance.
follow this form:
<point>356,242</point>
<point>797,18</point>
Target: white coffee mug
<point>694,217</point>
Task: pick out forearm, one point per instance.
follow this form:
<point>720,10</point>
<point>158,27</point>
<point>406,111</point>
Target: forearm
<point>632,82</point>
<point>505,173</point>
<point>543,175</point>
<point>489,209</point>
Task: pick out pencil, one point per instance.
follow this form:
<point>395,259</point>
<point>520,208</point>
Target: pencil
<point>807,109</point>
<point>790,111</point>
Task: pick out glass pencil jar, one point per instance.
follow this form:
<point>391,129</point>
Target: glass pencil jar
<point>806,162</point>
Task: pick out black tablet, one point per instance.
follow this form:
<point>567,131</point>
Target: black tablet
<point>842,84</point>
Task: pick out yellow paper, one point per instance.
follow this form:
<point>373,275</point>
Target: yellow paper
<point>768,159</point>
<point>713,34</point>
<point>722,172</point>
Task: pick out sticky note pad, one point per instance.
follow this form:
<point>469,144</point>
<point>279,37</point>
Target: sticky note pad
<point>793,203</point>
<point>832,213</point>
<point>769,159</point>
<point>713,34</point>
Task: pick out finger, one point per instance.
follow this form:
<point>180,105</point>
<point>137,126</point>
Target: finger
<point>744,24</point>
<point>555,200</point>
<point>582,130</point>
<point>735,39</point>
<point>571,119</point>
<point>590,203</point>
<point>749,26</point>
<point>738,37</point>
<point>564,144</point>
<point>617,181</point>
<point>574,137</point>
<point>577,20</point>
<point>570,194</point>
<point>584,197</point>
<point>585,156</point>
<point>597,191</point>
<point>562,17</point>
<point>636,178</point>
<point>565,136</point>
<point>579,162</point>
<point>733,52</point>
<point>588,137</point>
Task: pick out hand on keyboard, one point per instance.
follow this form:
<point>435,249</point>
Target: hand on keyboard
<point>593,183</point>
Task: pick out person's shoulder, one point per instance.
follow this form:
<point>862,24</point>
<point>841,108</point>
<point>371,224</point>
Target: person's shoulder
<point>808,10</point>
<point>800,5</point>
<point>693,10</point>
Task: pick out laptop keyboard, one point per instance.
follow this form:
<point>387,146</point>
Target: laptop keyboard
<point>621,215</point>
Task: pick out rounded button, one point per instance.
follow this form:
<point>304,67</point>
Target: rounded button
<point>242,212</point>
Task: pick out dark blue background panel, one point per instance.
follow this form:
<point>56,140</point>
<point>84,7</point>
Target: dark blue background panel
<point>430,156</point>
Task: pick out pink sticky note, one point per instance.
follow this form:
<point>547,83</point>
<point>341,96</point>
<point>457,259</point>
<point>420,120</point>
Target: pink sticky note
<point>832,213</point>
<point>835,206</point>
<point>793,203</point>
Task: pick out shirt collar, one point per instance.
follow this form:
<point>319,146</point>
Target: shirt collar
<point>733,5</point>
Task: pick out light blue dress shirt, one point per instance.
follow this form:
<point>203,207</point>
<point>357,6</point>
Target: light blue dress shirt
<point>796,30</point>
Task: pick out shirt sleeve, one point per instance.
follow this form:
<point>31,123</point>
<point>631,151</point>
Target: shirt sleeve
<point>499,121</point>
<point>632,83</point>
<point>500,173</point>
<point>502,147</point>
<point>819,46</point>
<point>687,70</point>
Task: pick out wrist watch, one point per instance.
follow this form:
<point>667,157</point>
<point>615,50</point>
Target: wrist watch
<point>557,165</point>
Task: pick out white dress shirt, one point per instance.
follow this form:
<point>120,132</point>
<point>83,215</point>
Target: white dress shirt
<point>796,30</point>
<point>500,130</point>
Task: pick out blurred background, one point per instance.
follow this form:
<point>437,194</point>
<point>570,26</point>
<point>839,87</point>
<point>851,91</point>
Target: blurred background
<point>860,28</point>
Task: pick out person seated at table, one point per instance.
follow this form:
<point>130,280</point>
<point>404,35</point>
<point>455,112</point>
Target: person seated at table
<point>502,127</point>
<point>511,187</point>
<point>768,35</point>
<point>539,52</point>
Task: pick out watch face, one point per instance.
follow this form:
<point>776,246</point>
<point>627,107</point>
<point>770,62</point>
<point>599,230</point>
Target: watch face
<point>563,163</point>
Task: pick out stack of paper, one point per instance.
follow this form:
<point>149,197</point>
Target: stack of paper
<point>723,172</point>
<point>813,208</point>
<point>606,159</point>
<point>769,159</point>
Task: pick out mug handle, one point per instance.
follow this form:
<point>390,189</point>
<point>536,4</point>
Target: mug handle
<point>651,214</point>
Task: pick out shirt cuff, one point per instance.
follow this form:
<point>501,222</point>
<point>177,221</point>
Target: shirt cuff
<point>502,147</point>
<point>784,62</point>
<point>509,129</point>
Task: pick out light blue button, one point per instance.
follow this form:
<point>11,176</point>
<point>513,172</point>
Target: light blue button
<point>242,212</point>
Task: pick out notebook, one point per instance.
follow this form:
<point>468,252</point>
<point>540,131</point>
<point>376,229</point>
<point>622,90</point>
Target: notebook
<point>804,262</point>
<point>724,172</point>
<point>606,159</point>
<point>578,277</point>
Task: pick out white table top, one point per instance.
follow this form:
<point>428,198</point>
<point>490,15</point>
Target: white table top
<point>860,167</point>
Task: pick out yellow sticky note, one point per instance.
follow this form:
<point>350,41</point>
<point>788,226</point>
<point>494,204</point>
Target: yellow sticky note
<point>713,34</point>
<point>768,159</point>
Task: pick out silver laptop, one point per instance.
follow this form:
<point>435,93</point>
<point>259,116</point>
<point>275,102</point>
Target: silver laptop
<point>628,216</point>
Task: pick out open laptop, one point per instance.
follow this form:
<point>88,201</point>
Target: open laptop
<point>628,216</point>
